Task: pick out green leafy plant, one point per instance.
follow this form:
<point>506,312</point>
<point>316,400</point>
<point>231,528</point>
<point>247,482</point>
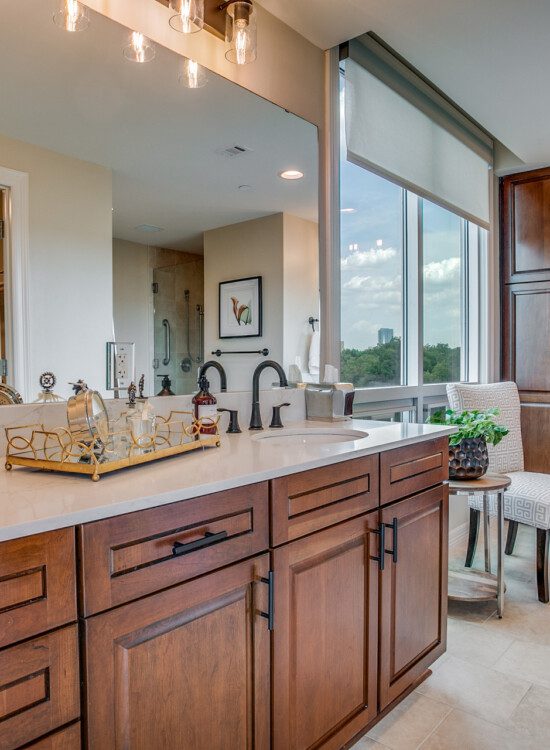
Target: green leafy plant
<point>471,424</point>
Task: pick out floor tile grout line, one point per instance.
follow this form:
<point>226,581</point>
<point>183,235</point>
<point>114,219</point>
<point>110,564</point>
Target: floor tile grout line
<point>439,723</point>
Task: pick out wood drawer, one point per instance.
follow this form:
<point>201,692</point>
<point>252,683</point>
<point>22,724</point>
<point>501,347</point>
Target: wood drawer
<point>312,500</point>
<point>66,739</point>
<point>39,687</point>
<point>129,556</point>
<point>37,584</point>
<point>406,471</point>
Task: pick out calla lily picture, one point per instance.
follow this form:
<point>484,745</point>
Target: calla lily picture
<point>241,308</point>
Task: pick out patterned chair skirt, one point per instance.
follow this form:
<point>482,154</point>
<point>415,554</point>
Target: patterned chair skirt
<point>527,499</point>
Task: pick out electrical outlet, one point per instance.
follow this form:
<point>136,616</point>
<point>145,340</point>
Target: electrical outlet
<point>120,365</point>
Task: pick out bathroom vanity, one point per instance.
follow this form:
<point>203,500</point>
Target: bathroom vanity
<point>269,596</point>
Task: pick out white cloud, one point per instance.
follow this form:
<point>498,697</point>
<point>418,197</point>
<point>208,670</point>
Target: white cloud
<point>372,257</point>
<point>373,284</point>
<point>442,271</point>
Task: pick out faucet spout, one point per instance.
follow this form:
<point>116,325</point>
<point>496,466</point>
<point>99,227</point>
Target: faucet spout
<point>255,418</point>
<point>223,377</point>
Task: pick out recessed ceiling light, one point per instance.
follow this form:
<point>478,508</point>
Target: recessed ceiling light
<point>245,188</point>
<point>291,174</point>
<point>348,210</point>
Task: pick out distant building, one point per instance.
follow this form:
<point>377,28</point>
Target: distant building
<point>385,335</point>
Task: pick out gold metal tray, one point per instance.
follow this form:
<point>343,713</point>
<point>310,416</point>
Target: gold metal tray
<point>58,450</point>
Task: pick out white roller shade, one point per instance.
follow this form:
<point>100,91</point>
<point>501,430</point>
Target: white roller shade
<point>414,146</point>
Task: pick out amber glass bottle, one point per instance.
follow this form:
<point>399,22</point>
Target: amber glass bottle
<point>205,407</point>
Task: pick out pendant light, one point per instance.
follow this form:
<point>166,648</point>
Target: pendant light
<point>240,31</point>
<point>140,49</point>
<point>189,15</point>
<point>193,75</point>
<point>71,16</point>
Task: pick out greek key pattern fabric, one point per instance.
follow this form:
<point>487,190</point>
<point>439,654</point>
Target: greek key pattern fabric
<point>507,456</point>
<point>526,500</point>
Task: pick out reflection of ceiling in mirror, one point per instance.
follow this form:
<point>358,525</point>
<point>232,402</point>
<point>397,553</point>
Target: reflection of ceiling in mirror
<point>75,94</point>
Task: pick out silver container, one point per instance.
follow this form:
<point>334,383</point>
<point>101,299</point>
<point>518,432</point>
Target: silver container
<point>87,417</point>
<point>330,402</point>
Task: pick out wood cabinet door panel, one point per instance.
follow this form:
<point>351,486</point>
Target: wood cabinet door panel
<point>39,687</point>
<point>130,556</point>
<point>66,739</point>
<point>405,471</point>
<point>413,595</point>
<point>526,226</point>
<point>189,667</point>
<point>37,584</point>
<point>312,500</point>
<point>325,636</point>
<point>526,350</point>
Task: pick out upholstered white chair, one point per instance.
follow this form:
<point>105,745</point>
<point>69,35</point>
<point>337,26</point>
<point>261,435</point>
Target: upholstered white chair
<point>527,500</point>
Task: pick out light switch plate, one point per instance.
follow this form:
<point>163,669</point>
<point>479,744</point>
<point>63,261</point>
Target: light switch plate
<point>121,365</point>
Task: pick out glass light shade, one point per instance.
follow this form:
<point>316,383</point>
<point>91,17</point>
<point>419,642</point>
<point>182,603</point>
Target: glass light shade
<point>193,75</point>
<point>140,49</point>
<point>71,16</point>
<point>189,15</point>
<point>241,33</point>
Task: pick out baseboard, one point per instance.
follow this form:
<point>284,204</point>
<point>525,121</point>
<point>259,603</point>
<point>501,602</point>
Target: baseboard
<point>458,534</point>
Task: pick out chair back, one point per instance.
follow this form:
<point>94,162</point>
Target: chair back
<point>507,456</point>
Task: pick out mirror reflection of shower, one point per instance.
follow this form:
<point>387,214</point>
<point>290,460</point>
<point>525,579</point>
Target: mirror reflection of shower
<point>178,321</point>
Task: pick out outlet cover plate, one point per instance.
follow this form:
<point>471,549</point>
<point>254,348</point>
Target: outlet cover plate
<point>121,365</point>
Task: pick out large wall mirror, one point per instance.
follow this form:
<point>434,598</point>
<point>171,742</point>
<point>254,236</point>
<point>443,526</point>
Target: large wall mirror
<point>143,197</point>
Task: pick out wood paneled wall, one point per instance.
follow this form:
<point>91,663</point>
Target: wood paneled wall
<point>525,243</point>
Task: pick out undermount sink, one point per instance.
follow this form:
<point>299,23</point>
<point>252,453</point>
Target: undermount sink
<point>311,436</point>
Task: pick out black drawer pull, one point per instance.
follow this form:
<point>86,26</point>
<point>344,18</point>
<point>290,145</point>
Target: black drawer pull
<point>270,614</point>
<point>394,526</point>
<point>208,539</point>
<point>381,532</point>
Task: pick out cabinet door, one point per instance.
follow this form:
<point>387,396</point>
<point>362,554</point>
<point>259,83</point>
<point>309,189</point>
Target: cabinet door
<point>189,667</point>
<point>325,636</point>
<point>413,596</point>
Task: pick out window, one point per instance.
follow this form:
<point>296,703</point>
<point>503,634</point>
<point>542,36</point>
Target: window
<point>410,284</point>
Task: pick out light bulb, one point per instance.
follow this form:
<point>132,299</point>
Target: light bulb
<point>140,49</point>
<point>189,15</point>
<point>193,75</point>
<point>241,32</point>
<point>71,16</point>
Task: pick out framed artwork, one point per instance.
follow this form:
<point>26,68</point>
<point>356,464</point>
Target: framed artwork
<point>241,308</point>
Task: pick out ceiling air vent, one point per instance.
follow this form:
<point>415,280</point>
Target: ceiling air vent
<point>149,228</point>
<point>232,152</point>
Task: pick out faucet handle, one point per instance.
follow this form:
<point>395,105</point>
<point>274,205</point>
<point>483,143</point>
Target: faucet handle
<point>276,418</point>
<point>233,420</point>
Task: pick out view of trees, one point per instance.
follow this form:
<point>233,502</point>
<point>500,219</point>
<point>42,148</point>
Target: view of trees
<point>381,365</point>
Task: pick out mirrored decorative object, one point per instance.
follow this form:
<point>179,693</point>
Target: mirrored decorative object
<point>9,395</point>
<point>193,75</point>
<point>140,49</point>
<point>188,17</point>
<point>87,417</point>
<point>71,15</point>
<point>241,32</point>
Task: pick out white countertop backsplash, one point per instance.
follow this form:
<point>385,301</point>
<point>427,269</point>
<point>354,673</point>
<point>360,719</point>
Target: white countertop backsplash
<point>32,501</point>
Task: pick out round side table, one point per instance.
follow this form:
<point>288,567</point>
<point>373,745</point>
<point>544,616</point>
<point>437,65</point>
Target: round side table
<point>475,585</point>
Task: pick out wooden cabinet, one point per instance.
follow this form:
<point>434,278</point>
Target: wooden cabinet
<point>325,636</point>
<point>311,500</point>
<point>404,471</point>
<point>525,243</point>
<point>66,739</point>
<point>189,667</point>
<point>413,590</point>
<point>39,687</point>
<point>37,584</point>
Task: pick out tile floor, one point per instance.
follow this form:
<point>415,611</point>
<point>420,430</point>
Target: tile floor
<point>491,690</point>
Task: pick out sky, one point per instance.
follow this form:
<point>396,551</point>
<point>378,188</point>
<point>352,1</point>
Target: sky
<point>372,260</point>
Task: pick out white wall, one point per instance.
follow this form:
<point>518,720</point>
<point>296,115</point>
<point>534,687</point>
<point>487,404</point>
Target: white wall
<point>250,248</point>
<point>70,263</point>
<point>132,304</point>
<point>301,287</point>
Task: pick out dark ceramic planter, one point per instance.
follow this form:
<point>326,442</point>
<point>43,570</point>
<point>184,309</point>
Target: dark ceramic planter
<point>469,459</point>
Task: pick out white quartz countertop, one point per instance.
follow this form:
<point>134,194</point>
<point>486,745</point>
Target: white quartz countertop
<point>32,502</point>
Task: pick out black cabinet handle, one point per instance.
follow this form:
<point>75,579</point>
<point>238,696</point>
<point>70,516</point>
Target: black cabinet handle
<point>270,614</point>
<point>394,526</point>
<point>208,539</point>
<point>381,532</point>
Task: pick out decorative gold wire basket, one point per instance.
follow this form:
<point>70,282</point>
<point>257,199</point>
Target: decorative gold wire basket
<point>58,449</point>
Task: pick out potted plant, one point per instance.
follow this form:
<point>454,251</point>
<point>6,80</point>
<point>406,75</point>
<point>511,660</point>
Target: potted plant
<point>468,455</point>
